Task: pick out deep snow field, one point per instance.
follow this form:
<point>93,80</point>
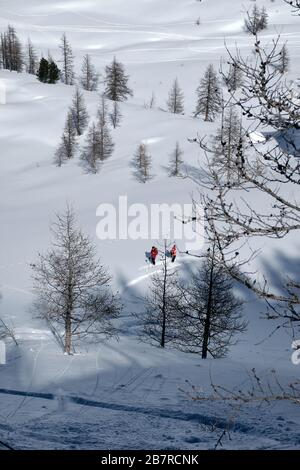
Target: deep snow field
<point>124,394</point>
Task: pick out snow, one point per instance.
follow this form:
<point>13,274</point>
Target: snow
<point>257,137</point>
<point>123,394</point>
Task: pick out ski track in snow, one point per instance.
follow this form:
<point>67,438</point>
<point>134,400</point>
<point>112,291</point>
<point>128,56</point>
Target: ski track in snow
<point>209,421</point>
<point>157,412</point>
<point>152,273</point>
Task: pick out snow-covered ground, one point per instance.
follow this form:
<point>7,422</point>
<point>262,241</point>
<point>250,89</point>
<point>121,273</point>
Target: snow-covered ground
<point>122,394</point>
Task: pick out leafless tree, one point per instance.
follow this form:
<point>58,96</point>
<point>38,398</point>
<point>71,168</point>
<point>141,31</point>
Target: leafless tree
<point>105,140</point>
<point>176,162</point>
<point>151,103</point>
<point>68,145</point>
<point>91,154</point>
<point>67,69</point>
<point>72,287</point>
<point>270,171</point>
<point>141,164</point>
<point>209,96</point>
<point>266,390</point>
<point>79,112</point>
<point>285,59</point>
<point>159,317</point>
<point>89,77</point>
<point>11,50</point>
<point>233,79</point>
<point>32,59</point>
<point>5,330</point>
<point>295,5</point>
<point>116,81</point>
<point>228,141</point>
<point>209,315</point>
<point>256,20</point>
<point>115,115</point>
<point>175,101</point>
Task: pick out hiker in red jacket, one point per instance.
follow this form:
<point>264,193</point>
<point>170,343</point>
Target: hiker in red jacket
<point>173,253</point>
<point>153,254</point>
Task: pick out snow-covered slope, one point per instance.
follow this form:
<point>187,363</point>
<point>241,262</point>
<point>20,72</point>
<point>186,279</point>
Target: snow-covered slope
<point>135,401</point>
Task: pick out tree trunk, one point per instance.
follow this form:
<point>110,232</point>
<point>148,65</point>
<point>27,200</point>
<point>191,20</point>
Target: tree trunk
<point>163,332</point>
<point>68,334</point>
<point>69,306</point>
<point>208,312</point>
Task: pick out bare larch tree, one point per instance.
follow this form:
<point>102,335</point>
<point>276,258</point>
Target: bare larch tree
<point>79,112</point>
<point>256,20</point>
<point>68,144</point>
<point>159,318</point>
<point>105,140</point>
<point>284,59</point>
<point>89,76</point>
<point>209,96</point>
<point>11,51</point>
<point>233,79</point>
<point>175,101</point>
<point>142,164</point>
<point>209,314</point>
<point>116,82</point>
<point>91,154</point>
<point>32,59</point>
<point>176,162</point>
<point>72,286</point>
<point>115,115</point>
<point>229,137</point>
<point>67,69</point>
<point>270,171</point>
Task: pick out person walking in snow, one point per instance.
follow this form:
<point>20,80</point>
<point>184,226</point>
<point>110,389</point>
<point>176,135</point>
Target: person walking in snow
<point>173,253</point>
<point>153,254</point>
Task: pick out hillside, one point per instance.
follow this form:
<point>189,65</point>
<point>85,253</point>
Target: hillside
<point>125,393</point>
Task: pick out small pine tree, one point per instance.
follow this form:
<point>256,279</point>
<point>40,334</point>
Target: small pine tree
<point>68,145</point>
<point>32,60</point>
<point>176,99</point>
<point>67,72</point>
<point>209,96</point>
<point>43,70</point>
<point>79,112</point>
<point>91,154</point>
<point>54,73</point>
<point>176,161</point>
<point>89,77</point>
<point>106,144</point>
<point>117,82</point>
<point>115,115</point>
<point>142,163</point>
